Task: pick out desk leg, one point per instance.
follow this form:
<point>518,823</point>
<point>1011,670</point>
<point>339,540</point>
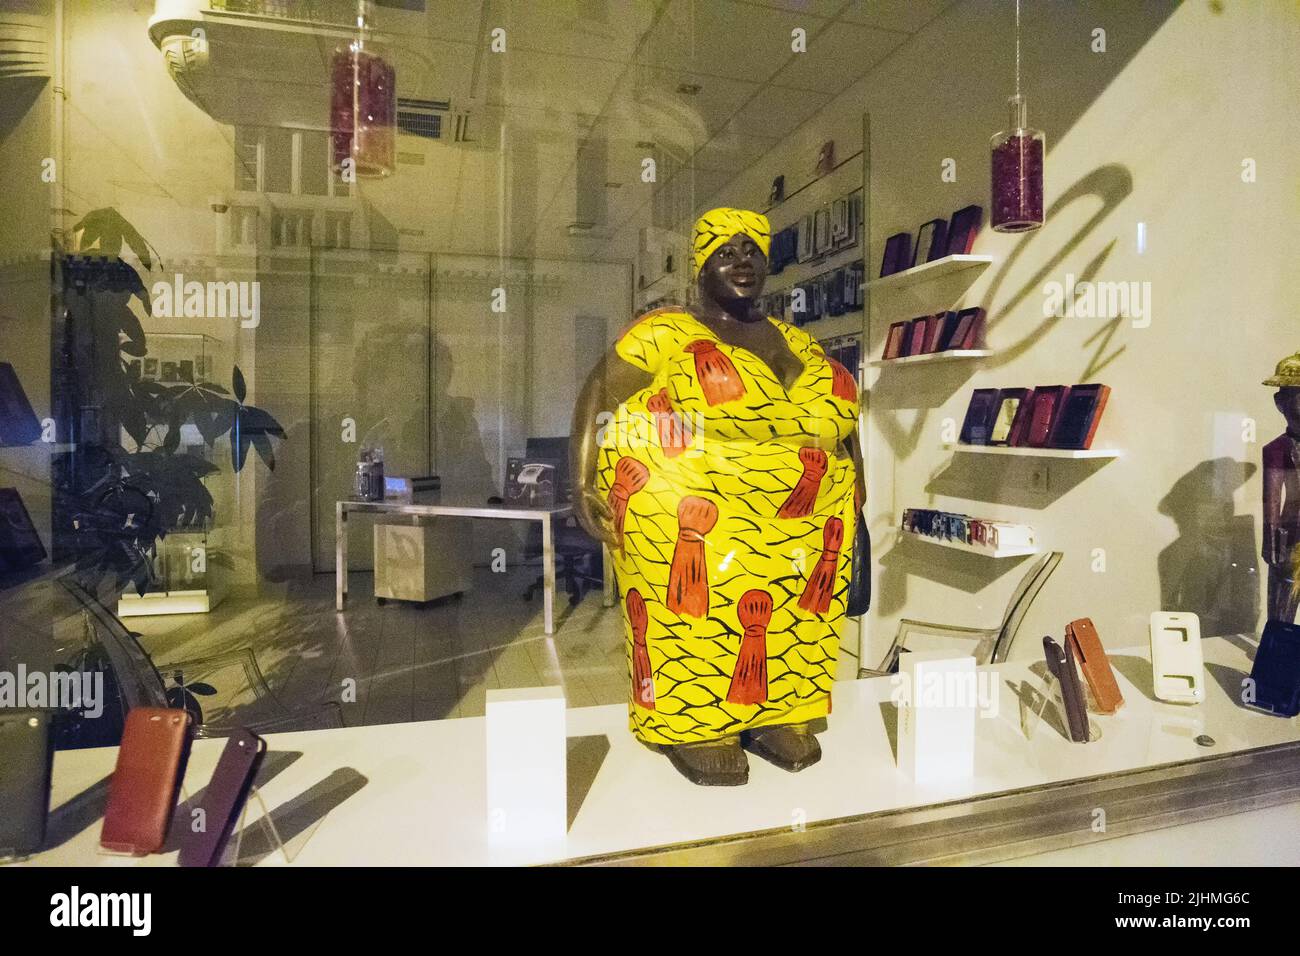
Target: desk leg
<point>607,560</point>
<point>340,555</point>
<point>548,574</point>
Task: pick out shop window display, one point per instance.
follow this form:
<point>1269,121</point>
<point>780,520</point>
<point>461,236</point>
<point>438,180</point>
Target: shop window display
<point>502,487</point>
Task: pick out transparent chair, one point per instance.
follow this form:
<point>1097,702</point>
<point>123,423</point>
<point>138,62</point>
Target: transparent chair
<point>241,696</point>
<point>988,645</point>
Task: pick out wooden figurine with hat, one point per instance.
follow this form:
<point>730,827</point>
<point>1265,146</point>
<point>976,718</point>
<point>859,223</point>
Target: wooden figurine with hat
<point>1282,496</point>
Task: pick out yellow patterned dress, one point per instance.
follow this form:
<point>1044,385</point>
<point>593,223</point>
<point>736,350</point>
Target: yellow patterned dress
<point>735,517</point>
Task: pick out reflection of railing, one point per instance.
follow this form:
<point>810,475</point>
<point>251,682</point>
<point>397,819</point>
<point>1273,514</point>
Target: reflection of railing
<point>343,12</point>
<point>290,224</point>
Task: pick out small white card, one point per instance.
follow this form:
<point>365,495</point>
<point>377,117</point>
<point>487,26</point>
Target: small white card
<point>527,803</point>
<point>938,701</point>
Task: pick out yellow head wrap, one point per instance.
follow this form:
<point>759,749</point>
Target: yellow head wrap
<point>716,227</point>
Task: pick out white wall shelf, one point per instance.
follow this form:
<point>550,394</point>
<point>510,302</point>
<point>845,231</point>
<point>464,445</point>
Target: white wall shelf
<point>951,355</point>
<point>1017,552</point>
<point>1072,453</point>
<point>931,272</point>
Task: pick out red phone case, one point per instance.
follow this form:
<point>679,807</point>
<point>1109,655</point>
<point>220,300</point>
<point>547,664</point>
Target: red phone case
<point>1047,403</point>
<point>972,324</point>
<point>894,341</point>
<point>150,766</point>
<point>933,332</point>
<point>916,333</point>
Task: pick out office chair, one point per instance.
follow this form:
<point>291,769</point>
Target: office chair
<point>991,644</point>
<point>579,563</point>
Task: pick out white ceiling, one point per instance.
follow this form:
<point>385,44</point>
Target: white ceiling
<point>613,71</point>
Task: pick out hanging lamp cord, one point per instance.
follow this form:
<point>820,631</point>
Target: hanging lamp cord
<point>1017,48</point>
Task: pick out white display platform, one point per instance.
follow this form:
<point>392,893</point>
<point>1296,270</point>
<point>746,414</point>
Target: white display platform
<point>423,800</point>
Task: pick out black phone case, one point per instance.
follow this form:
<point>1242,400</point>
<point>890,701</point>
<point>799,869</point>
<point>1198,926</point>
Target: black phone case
<point>26,757</point>
<point>1276,671</point>
<point>1061,664</point>
<point>224,800</point>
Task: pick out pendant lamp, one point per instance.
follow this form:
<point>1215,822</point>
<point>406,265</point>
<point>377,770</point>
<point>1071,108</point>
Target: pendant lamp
<point>363,105</point>
<point>1017,164</point>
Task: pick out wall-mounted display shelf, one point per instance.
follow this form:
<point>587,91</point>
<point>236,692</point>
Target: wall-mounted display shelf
<point>1074,453</point>
<point>932,271</point>
<point>988,552</point>
<point>951,355</point>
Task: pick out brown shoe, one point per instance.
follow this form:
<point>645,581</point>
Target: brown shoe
<point>791,747</point>
<point>713,763</point>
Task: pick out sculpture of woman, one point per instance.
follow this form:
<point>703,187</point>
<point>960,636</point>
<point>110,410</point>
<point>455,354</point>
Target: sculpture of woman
<point>715,453</point>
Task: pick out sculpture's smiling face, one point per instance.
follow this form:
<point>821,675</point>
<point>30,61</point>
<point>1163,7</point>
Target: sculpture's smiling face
<point>736,270</point>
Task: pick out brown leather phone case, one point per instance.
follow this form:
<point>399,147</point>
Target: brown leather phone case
<point>150,767</point>
<point>1095,665</point>
<point>224,799</point>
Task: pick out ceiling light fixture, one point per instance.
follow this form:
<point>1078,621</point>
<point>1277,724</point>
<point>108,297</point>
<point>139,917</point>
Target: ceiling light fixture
<point>1017,165</point>
<point>363,105</point>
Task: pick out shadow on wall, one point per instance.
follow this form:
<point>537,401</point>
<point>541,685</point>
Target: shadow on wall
<point>460,459</point>
<point>1212,568</point>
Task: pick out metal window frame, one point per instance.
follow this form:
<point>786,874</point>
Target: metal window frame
<point>1012,824</point>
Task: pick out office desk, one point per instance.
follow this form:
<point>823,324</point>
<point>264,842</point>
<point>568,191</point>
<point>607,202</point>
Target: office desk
<point>422,510</point>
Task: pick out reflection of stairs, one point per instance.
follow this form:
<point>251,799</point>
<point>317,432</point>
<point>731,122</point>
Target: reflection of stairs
<point>24,47</point>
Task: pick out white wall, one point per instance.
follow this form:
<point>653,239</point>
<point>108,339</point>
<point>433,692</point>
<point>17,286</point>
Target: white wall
<point>1153,130</point>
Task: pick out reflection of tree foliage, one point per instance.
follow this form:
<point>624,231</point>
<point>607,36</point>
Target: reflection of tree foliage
<point>123,502</point>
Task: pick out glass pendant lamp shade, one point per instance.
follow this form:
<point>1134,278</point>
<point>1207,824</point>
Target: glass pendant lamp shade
<point>1017,164</point>
<point>363,110</point>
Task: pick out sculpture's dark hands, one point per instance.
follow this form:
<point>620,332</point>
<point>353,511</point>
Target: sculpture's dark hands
<point>595,517</point>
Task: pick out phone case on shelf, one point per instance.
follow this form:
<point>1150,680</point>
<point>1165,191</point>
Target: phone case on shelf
<point>146,781</point>
<point>26,756</point>
<point>224,799</point>
<point>1083,639</point>
<point>980,413</point>
<point>1177,664</point>
<point>1048,401</point>
<point>1079,416</point>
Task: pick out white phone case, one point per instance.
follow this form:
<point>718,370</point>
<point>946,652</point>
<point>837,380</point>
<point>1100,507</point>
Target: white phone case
<point>1177,664</point>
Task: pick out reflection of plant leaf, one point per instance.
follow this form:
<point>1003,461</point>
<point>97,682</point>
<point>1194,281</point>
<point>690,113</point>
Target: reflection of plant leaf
<point>107,229</point>
<point>240,389</point>
<point>134,332</point>
<point>259,422</point>
<point>173,439</point>
<point>135,423</point>
<point>264,450</point>
<point>205,690</point>
<point>207,406</point>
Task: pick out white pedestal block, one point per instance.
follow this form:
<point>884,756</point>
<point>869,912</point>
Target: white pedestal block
<point>527,802</point>
<point>937,697</point>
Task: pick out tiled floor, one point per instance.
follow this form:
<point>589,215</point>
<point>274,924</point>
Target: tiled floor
<point>376,664</point>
